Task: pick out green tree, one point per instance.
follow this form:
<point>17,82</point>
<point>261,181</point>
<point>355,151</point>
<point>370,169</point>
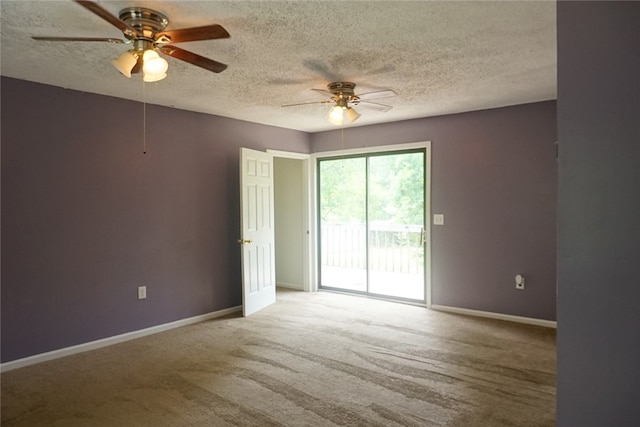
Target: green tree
<point>395,193</point>
<point>343,190</point>
<point>396,188</point>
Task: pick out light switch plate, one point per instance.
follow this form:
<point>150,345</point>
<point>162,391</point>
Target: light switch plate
<point>142,292</point>
<point>438,219</point>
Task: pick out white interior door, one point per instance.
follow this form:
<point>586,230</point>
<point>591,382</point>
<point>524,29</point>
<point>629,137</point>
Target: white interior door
<point>257,227</point>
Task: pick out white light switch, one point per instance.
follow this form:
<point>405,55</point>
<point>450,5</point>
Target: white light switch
<point>142,292</point>
<point>438,219</point>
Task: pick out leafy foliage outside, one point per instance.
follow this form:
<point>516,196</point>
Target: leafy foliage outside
<point>396,189</point>
<point>343,190</point>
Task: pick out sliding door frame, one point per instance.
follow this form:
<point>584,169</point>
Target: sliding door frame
<point>426,145</point>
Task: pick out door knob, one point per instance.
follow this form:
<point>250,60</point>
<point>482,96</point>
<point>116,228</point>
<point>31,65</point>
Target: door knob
<point>240,241</point>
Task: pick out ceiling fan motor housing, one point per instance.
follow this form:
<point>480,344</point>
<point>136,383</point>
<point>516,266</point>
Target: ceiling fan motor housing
<point>343,93</point>
<point>147,21</point>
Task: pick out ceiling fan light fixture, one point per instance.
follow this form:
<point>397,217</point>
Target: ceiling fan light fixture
<point>352,114</point>
<point>336,115</point>
<point>126,62</point>
<point>153,65</point>
<point>149,78</point>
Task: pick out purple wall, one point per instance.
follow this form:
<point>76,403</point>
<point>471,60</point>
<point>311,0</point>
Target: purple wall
<point>599,214</point>
<point>87,217</point>
<point>494,176</point>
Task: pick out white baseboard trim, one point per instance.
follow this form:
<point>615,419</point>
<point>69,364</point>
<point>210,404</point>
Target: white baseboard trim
<point>499,316</point>
<point>93,345</point>
<point>289,286</point>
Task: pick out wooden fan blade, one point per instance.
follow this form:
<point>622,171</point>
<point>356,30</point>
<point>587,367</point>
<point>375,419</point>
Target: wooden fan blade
<point>377,94</point>
<point>138,67</point>
<point>207,32</point>
<point>77,39</point>
<point>307,103</point>
<point>380,107</point>
<point>113,20</point>
<point>192,58</point>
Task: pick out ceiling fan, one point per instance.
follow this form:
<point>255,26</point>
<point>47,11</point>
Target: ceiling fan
<point>144,29</point>
<point>343,97</point>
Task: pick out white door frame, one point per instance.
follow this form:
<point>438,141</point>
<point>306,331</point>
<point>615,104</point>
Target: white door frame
<point>426,145</point>
<point>309,284</point>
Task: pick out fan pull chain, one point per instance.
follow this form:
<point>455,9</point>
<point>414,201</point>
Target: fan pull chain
<point>144,119</point>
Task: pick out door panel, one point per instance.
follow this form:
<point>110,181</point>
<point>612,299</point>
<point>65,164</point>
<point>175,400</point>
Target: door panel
<point>257,226</point>
<point>372,223</point>
<point>343,236</point>
<point>396,225</point>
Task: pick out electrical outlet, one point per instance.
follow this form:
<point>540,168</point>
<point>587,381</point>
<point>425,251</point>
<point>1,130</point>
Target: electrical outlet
<point>519,281</point>
<point>142,292</point>
<point>438,219</point>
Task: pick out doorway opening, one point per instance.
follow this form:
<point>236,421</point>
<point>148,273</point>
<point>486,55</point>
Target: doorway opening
<point>372,233</point>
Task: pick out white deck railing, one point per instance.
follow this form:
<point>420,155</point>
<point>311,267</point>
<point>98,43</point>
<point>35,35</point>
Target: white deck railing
<point>392,248</point>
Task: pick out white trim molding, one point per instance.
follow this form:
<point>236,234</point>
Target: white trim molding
<point>371,149</point>
<point>498,316</point>
<point>307,193</point>
<point>290,286</point>
<point>289,154</point>
<point>93,345</point>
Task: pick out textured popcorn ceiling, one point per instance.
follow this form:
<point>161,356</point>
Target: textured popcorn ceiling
<point>440,57</point>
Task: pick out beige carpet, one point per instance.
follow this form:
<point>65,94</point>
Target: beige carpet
<point>317,359</point>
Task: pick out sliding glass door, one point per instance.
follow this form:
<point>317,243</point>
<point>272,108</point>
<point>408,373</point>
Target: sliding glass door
<point>372,213</point>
